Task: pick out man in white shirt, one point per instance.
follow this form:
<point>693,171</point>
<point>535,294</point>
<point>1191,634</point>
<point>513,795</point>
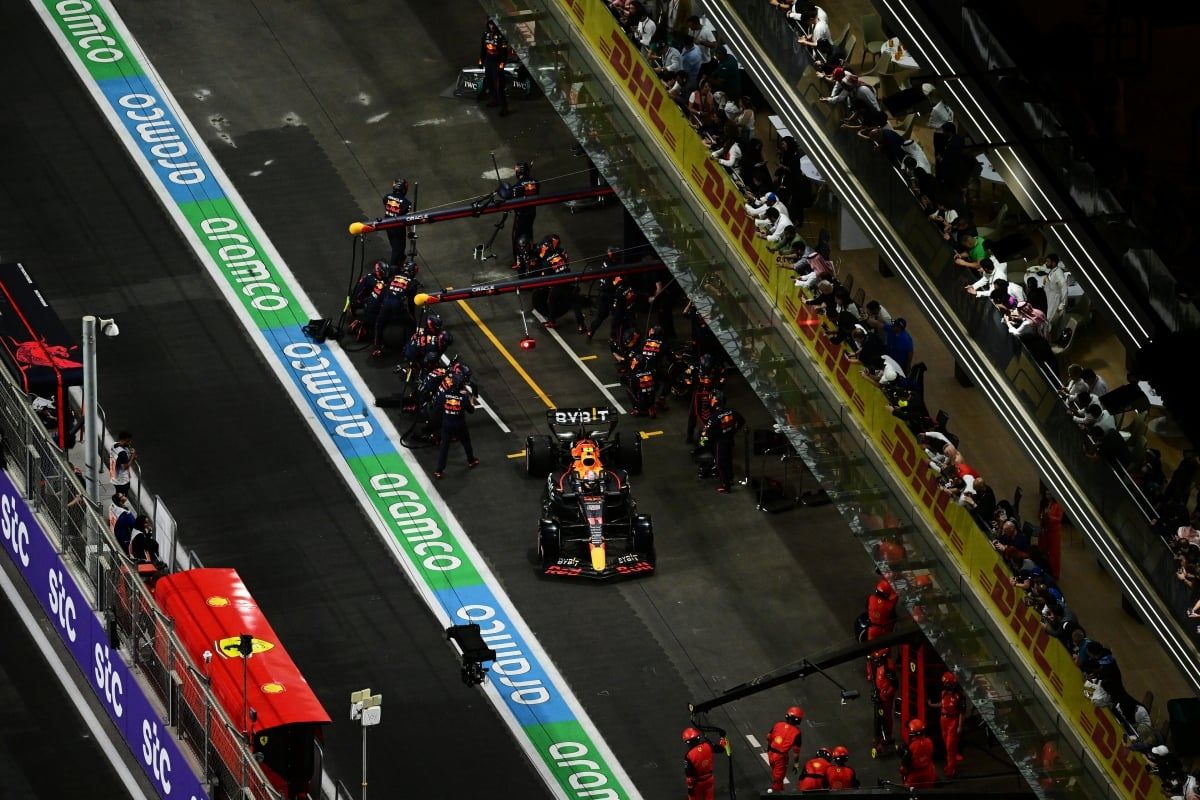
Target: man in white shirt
<point>1053,278</point>
<point>1095,383</point>
<point>705,37</point>
<point>778,224</point>
<point>729,156</point>
<point>887,370</point>
<point>670,61</point>
<point>645,32</point>
<point>758,209</point>
<point>993,270</point>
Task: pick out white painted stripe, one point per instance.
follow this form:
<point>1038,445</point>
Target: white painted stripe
<point>753,740</point>
<point>590,375</point>
<point>533,646</point>
<point>100,732</point>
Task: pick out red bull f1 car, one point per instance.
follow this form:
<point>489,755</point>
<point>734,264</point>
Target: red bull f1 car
<point>590,526</point>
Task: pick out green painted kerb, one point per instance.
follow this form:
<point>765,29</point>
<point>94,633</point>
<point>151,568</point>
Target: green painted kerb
<point>244,264</point>
<point>92,35</point>
<point>573,760</point>
<point>414,522</point>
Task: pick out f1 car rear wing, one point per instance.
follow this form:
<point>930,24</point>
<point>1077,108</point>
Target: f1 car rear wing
<point>597,421</point>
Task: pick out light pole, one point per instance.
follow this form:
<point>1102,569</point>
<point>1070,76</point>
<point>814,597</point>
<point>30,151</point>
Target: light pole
<point>367,708</point>
<point>91,412</point>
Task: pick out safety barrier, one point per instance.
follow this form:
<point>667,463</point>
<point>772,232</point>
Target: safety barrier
<point>99,601</point>
<point>608,95</point>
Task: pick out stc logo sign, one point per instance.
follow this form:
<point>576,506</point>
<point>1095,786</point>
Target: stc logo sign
<point>156,756</point>
<point>16,534</point>
<point>108,681</point>
<point>62,605</point>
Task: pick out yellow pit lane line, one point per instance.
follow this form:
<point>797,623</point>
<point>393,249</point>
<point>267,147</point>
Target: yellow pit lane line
<point>505,352</point>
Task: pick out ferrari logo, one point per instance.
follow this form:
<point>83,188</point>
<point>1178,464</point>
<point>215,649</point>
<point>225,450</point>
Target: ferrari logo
<point>229,646</point>
<point>274,687</point>
<point>216,601</point>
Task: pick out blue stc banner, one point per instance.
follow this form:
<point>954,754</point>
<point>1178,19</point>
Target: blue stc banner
<point>81,631</point>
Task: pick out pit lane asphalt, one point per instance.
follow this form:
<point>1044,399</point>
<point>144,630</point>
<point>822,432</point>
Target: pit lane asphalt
<point>312,108</point>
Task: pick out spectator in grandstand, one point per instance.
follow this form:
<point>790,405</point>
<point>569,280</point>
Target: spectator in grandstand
<point>875,317</point>
<point>673,16</point>
<point>944,217</point>
<point>824,298</point>
<point>1075,385</point>
<point>1005,296</point>
<point>777,223</point>
<point>121,458</point>
<point>1036,295</point>
<point>1095,384</point>
<point>726,73</point>
<point>1027,322</point>
<point>974,250</point>
<point>676,87</point>
<point>758,208</point>
<point>667,61</point>
<point>143,547</point>
<point>864,346</point>
<point>883,371</point>
<point>899,343</point>
<point>812,269</point>
<point>744,120</point>
<point>1053,279</point>
<point>691,58</point>
<point>643,27</point>
<point>729,154</point>
<point>703,109</point>
<point>983,503</point>
<point>992,269</point>
<point>705,37</point>
<point>790,246</point>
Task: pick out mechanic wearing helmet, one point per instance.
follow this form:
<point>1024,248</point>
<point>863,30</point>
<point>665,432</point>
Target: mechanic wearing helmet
<point>702,380</point>
<point>623,318</point>
<point>525,186</point>
<point>429,381</point>
<point>493,53</point>
<point>396,204</point>
<point>814,776</point>
<point>952,707</point>
<point>428,338</point>
<point>393,307</point>
<point>881,610</point>
<point>721,430</point>
<point>783,740</point>
<point>698,764</point>
<point>559,299</point>
<point>642,385</point>
<point>883,695</point>
<point>453,404</point>
<point>609,289</point>
<point>916,762</point>
<point>840,774</point>
<point>367,297</point>
<point>525,260</point>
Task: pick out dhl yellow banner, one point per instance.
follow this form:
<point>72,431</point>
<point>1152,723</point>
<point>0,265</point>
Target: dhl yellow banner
<point>961,535</point>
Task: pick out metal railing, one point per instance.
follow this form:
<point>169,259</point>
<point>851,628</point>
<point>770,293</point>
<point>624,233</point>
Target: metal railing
<point>115,590</point>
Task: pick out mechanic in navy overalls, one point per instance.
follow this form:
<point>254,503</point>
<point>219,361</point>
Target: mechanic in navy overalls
<point>721,430</point>
<point>609,289</point>
<point>702,380</point>
<point>393,307</point>
<point>429,338</point>
<point>453,404</point>
<point>526,186</point>
<point>396,204</point>
<point>493,52</point>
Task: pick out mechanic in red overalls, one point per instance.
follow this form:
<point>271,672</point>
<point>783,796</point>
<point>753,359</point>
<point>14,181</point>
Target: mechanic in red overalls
<point>916,766</point>
<point>782,741</point>
<point>813,778</point>
<point>952,707</point>
<point>881,614</point>
<point>883,693</point>
<point>698,764</point>
<point>841,775</point>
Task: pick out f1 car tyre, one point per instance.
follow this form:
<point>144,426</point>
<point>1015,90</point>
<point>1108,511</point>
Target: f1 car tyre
<point>539,456</point>
<point>549,545</point>
<point>643,536</point>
